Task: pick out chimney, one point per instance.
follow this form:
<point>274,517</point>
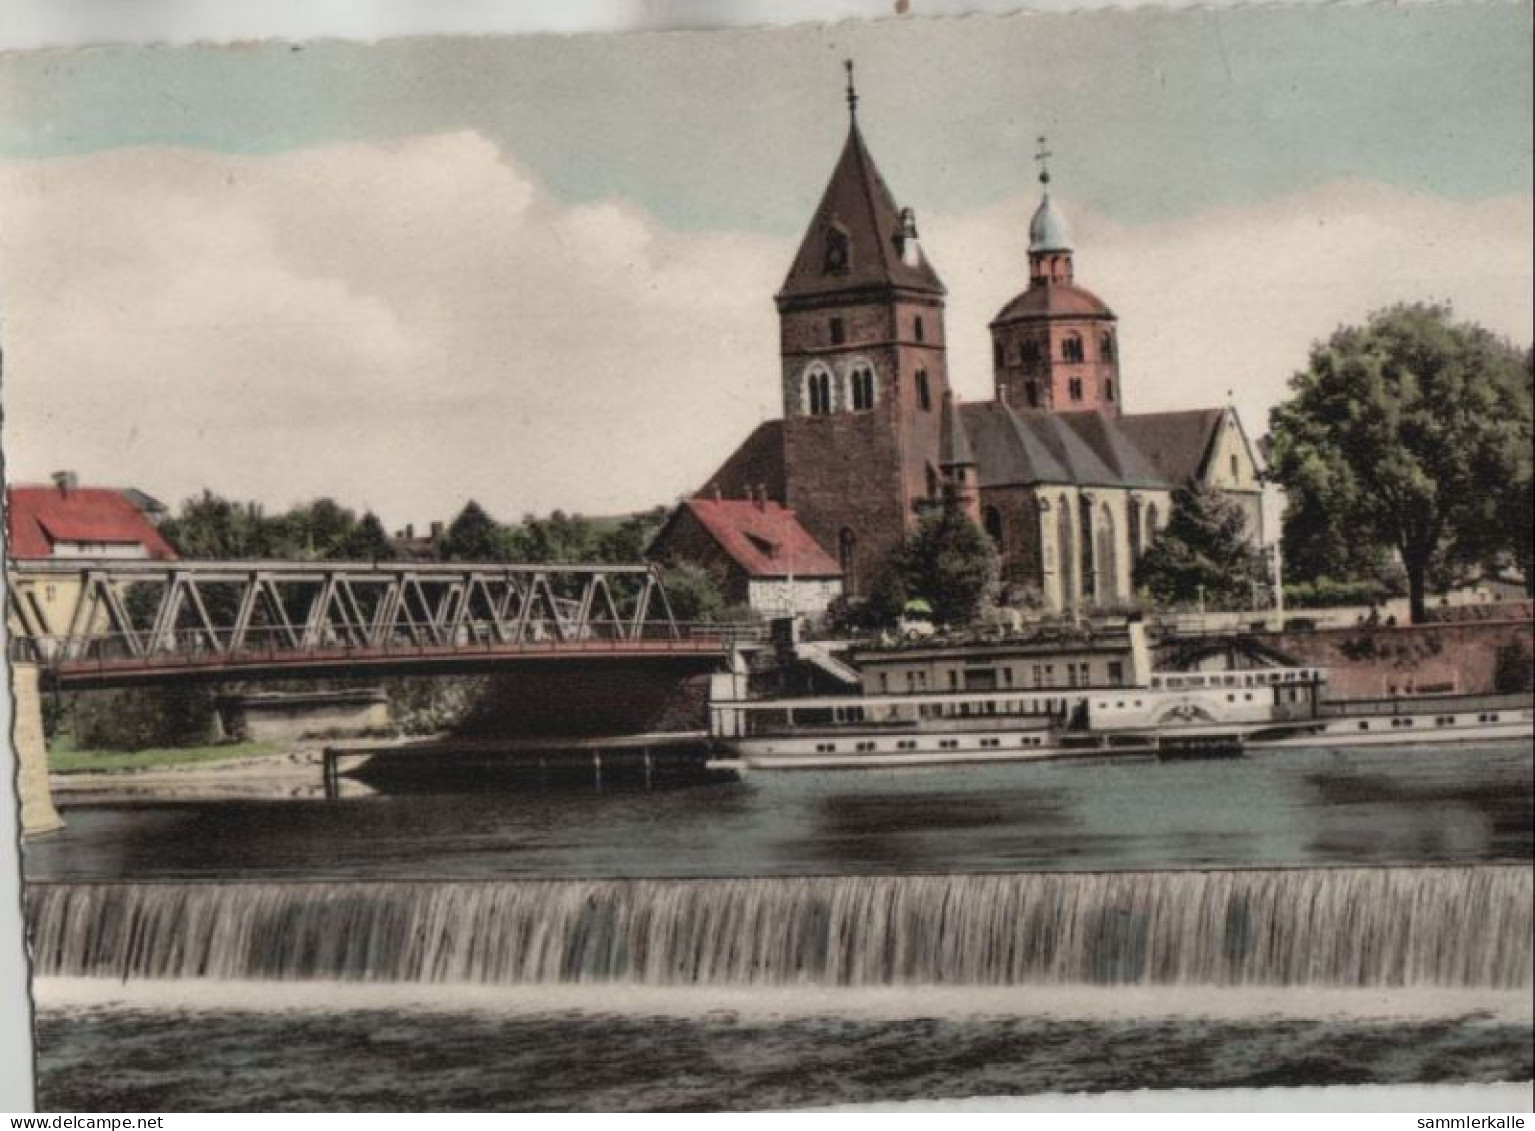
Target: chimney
<point>410,532</point>
<point>762,496</point>
<point>65,481</point>
<point>436,531</point>
<point>718,495</point>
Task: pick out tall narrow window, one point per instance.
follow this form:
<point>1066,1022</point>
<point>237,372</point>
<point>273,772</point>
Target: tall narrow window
<point>992,518</point>
<point>818,393</point>
<point>1106,346</point>
<point>847,559</point>
<point>998,356</point>
<point>1031,390</point>
<point>838,331</point>
<point>863,389</point>
<point>1108,388</point>
<point>1074,388</point>
<point>924,393</point>
<point>920,330</point>
<point>1028,352</point>
<point>1071,347</point>
<point>1236,468</point>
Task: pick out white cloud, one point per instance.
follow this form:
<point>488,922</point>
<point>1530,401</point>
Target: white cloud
<point>405,325</point>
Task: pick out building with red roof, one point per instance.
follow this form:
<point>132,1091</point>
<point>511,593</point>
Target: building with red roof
<point>1071,488</point>
<point>765,559</point>
<point>64,520</point>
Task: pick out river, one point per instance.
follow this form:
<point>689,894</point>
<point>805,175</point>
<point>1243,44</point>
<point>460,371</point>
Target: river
<point>1294,917</point>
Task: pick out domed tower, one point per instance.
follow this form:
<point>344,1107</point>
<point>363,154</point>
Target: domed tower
<point>1054,347</point>
<point>864,368</point>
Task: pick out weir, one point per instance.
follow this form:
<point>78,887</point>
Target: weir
<point>1430,926</point>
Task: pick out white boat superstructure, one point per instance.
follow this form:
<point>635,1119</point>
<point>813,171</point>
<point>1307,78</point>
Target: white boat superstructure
<point>1167,715</point>
<point>1176,714</point>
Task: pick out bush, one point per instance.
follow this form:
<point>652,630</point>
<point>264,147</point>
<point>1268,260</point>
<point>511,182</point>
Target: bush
<point>141,718</point>
<point>1325,593</point>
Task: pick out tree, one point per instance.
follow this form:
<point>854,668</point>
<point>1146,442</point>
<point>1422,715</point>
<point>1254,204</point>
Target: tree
<point>1411,433</point>
<point>693,593</point>
<point>949,562</point>
<point>367,542</point>
<point>1204,552</point>
<point>473,536</point>
<point>213,527</point>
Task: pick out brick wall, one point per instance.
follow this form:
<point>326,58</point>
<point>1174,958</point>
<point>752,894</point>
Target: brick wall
<point>1370,662</point>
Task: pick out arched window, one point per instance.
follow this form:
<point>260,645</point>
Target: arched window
<point>921,330</point>
<point>991,518</point>
<point>862,378</point>
<point>818,390</point>
<point>847,560</point>
<point>1071,347</point>
<point>1106,346</point>
<point>1108,388</point>
<point>1065,548</point>
<point>1028,352</point>
<point>924,393</point>
<point>1107,557</point>
<point>1074,388</point>
<point>838,329</point>
<point>1236,468</point>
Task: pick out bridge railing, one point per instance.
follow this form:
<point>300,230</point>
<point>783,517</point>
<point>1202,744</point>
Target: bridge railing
<point>276,647</point>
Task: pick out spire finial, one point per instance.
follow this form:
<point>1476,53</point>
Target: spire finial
<point>852,91</point>
<point>1043,155</point>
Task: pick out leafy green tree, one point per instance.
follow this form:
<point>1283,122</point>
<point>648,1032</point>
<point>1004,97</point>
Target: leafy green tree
<point>473,536</point>
<point>948,562</point>
<point>694,593</point>
<point>367,542</point>
<point>213,527</point>
<point>1204,551</point>
<point>1412,434</point>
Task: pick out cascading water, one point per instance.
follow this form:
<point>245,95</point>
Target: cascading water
<point>1442,926</point>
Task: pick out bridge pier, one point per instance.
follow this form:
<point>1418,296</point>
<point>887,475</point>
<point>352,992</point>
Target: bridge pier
<point>38,815</point>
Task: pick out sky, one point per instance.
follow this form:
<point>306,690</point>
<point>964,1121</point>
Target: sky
<point>538,270</point>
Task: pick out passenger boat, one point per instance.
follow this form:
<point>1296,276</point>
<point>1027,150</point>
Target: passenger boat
<point>1172,715</point>
<point>1166,715</point>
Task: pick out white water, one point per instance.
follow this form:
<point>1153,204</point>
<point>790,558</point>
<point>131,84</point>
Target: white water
<point>1349,927</point>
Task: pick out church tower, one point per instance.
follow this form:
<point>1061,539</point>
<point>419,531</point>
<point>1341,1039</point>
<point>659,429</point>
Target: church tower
<point>1054,346</point>
<point>864,371</point>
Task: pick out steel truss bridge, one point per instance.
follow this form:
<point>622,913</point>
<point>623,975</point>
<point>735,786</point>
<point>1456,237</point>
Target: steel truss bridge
<point>104,622</point>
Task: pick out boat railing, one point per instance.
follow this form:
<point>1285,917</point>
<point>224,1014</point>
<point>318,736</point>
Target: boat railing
<point>1426,704</point>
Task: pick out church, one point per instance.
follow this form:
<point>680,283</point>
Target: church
<point>1069,486</point>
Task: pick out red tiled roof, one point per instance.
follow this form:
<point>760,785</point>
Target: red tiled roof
<point>39,517</point>
<point>1054,300</point>
<point>765,540</point>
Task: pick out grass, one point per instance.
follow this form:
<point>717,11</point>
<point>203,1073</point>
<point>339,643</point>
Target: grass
<point>65,758</point>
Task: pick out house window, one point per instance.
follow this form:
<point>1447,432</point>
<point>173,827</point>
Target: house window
<point>1108,388</point>
<point>1074,388</point>
<point>1071,347</point>
<point>1031,390</point>
<point>1028,352</point>
<point>863,389</point>
<point>1116,672</point>
<point>838,331</point>
<point>998,355</point>
<point>1236,468</point>
<point>924,393</point>
<point>921,331</point>
<point>1106,347</point>
<point>818,392</point>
